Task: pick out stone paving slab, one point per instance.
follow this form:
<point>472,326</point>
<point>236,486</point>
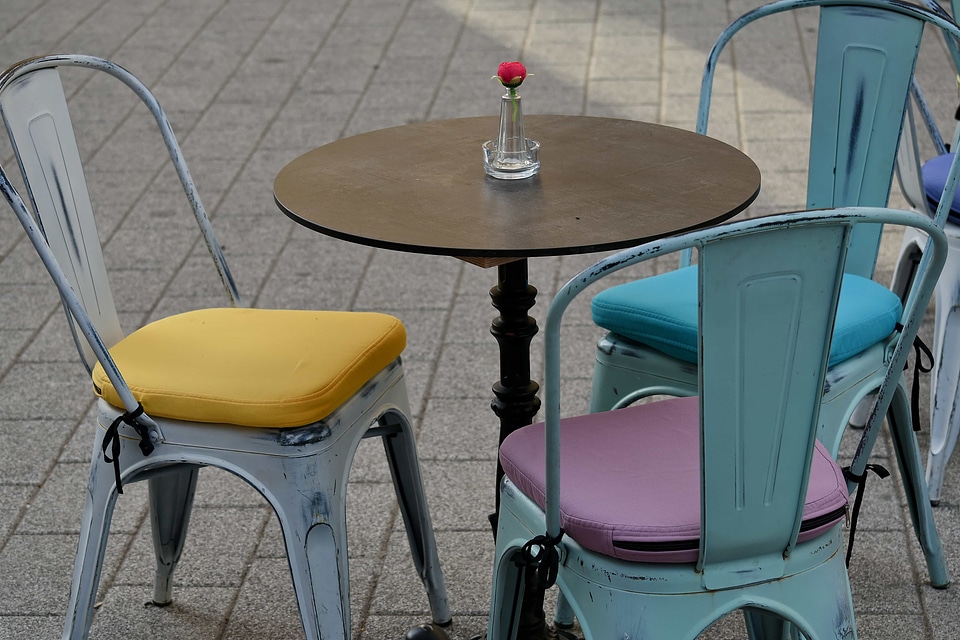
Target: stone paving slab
<point>250,85</point>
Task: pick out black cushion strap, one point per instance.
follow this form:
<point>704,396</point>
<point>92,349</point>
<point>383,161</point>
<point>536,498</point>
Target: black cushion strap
<point>541,552</point>
<point>920,349</point>
<point>861,482</point>
<point>112,440</point>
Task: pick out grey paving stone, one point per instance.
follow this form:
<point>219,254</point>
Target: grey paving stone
<point>44,391</point>
<point>37,571</point>
<point>58,507</point>
<point>457,429</point>
<point>220,543</point>
<point>13,499</point>
<point>266,606</point>
<point>461,493</point>
<point>22,460</point>
<point>15,627</point>
<point>197,612</point>
<point>889,626</point>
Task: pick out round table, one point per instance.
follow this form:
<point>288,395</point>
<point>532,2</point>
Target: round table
<point>604,184</point>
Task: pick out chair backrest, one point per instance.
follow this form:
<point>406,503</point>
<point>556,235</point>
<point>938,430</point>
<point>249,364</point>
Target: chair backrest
<point>866,53</point>
<point>35,111</point>
<point>766,316</point>
<point>766,320</point>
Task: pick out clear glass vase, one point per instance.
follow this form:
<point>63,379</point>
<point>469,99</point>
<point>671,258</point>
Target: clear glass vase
<point>511,156</point>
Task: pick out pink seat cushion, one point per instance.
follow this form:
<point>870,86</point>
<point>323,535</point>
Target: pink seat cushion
<point>631,478</point>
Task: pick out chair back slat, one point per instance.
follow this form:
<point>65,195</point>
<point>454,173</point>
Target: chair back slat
<point>766,318</point>
<point>34,109</point>
<point>865,61</point>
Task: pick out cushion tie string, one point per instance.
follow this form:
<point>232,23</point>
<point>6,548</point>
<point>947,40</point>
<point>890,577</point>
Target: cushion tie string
<point>920,349</point>
<point>541,552</point>
<point>861,482</point>
<point>112,440</point>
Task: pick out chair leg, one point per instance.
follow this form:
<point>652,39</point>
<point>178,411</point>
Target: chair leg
<point>402,456</point>
<point>944,414</point>
<point>94,529</point>
<point>507,599</point>
<point>824,613</point>
<point>315,540</point>
<point>918,500</point>
<point>171,501</point>
<point>563,615</point>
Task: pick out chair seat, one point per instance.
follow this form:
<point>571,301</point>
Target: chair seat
<point>661,312</point>
<point>630,481</point>
<point>935,173</point>
<point>252,367</point>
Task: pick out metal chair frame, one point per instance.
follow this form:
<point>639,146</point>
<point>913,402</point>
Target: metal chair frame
<point>853,150</point>
<point>783,586</point>
<point>302,471</point>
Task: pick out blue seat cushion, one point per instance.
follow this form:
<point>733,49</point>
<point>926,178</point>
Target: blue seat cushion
<point>661,312</point>
<point>935,179</point>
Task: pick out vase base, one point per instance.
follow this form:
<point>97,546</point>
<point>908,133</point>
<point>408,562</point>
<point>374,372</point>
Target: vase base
<point>514,165</point>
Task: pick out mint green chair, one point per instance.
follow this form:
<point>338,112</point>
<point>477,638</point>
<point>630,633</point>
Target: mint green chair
<point>865,60</point>
<point>665,516</point>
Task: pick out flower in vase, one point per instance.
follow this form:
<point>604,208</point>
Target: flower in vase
<point>511,74</point>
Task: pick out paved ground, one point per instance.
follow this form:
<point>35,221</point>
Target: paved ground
<point>249,85</point>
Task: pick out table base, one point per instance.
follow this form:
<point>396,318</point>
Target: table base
<point>516,403</point>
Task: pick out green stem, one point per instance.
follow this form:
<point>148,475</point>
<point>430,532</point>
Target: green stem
<point>513,96</point>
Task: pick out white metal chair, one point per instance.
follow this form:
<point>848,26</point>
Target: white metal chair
<point>918,183</point>
<point>657,519</point>
<point>279,398</point>
<point>857,113</point>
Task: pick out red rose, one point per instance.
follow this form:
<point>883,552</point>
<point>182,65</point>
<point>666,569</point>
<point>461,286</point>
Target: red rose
<point>511,74</point>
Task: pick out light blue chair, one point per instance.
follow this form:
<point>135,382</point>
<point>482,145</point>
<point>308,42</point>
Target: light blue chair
<point>279,398</point>
<point>665,516</point>
<point>865,60</point>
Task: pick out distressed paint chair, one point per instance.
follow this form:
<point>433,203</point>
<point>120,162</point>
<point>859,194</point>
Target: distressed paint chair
<point>922,186</point>
<point>665,516</point>
<point>866,54</point>
<point>279,398</point>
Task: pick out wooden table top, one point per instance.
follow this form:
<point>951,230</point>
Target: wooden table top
<point>604,184</point>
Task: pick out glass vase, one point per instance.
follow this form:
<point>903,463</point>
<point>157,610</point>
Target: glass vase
<point>511,156</point>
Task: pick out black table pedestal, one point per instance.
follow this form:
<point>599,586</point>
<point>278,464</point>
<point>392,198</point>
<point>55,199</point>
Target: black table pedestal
<point>516,403</point>
<point>515,394</point>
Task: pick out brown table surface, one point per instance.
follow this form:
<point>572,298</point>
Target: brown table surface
<point>604,184</point>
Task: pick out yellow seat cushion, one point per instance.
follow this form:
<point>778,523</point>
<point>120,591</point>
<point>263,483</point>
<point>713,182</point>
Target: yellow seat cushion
<point>252,367</point>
